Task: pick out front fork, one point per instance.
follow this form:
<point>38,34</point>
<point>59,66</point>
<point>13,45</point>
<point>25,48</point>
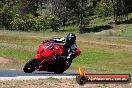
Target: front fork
<point>39,59</point>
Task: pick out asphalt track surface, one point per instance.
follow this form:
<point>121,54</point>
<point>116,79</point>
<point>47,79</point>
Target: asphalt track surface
<point>20,75</point>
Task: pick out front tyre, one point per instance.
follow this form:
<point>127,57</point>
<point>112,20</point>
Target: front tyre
<point>30,66</point>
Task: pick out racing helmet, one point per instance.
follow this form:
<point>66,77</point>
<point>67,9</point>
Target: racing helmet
<point>71,38</point>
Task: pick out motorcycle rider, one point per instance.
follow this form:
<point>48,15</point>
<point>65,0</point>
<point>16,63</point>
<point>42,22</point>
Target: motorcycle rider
<point>69,46</point>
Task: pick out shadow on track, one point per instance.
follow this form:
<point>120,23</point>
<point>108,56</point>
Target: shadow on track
<point>15,73</point>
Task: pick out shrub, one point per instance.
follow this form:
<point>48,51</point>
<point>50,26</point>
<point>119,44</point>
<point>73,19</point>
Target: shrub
<point>29,23</point>
<point>18,24</point>
<point>104,9</point>
<point>35,23</point>
<point>54,22</point>
<point>6,16</point>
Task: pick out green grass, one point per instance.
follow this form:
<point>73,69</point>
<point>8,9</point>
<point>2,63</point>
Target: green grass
<point>22,46</point>
<point>72,28</point>
<point>126,30</point>
<point>98,59</point>
<point>122,30</point>
<point>16,54</point>
<point>100,21</point>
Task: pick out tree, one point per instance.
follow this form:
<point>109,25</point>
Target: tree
<point>29,6</point>
<point>121,9</point>
<point>76,9</point>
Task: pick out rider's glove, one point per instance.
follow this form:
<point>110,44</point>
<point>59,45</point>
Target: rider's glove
<point>45,41</point>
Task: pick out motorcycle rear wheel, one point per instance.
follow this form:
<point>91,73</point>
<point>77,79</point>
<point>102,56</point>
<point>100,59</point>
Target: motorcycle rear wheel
<point>61,69</point>
<point>30,66</point>
<point>58,71</point>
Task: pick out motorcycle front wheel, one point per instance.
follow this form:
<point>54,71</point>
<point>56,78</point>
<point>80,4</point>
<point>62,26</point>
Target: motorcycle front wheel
<point>30,66</point>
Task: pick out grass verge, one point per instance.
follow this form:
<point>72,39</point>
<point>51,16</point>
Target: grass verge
<point>100,55</point>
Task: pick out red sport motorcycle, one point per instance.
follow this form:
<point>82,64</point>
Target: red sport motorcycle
<point>46,59</point>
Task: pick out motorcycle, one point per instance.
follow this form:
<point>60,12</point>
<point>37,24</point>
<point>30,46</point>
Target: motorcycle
<point>46,59</point>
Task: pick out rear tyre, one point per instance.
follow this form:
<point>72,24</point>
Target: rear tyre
<point>61,68</point>
<point>30,66</point>
<point>58,71</point>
